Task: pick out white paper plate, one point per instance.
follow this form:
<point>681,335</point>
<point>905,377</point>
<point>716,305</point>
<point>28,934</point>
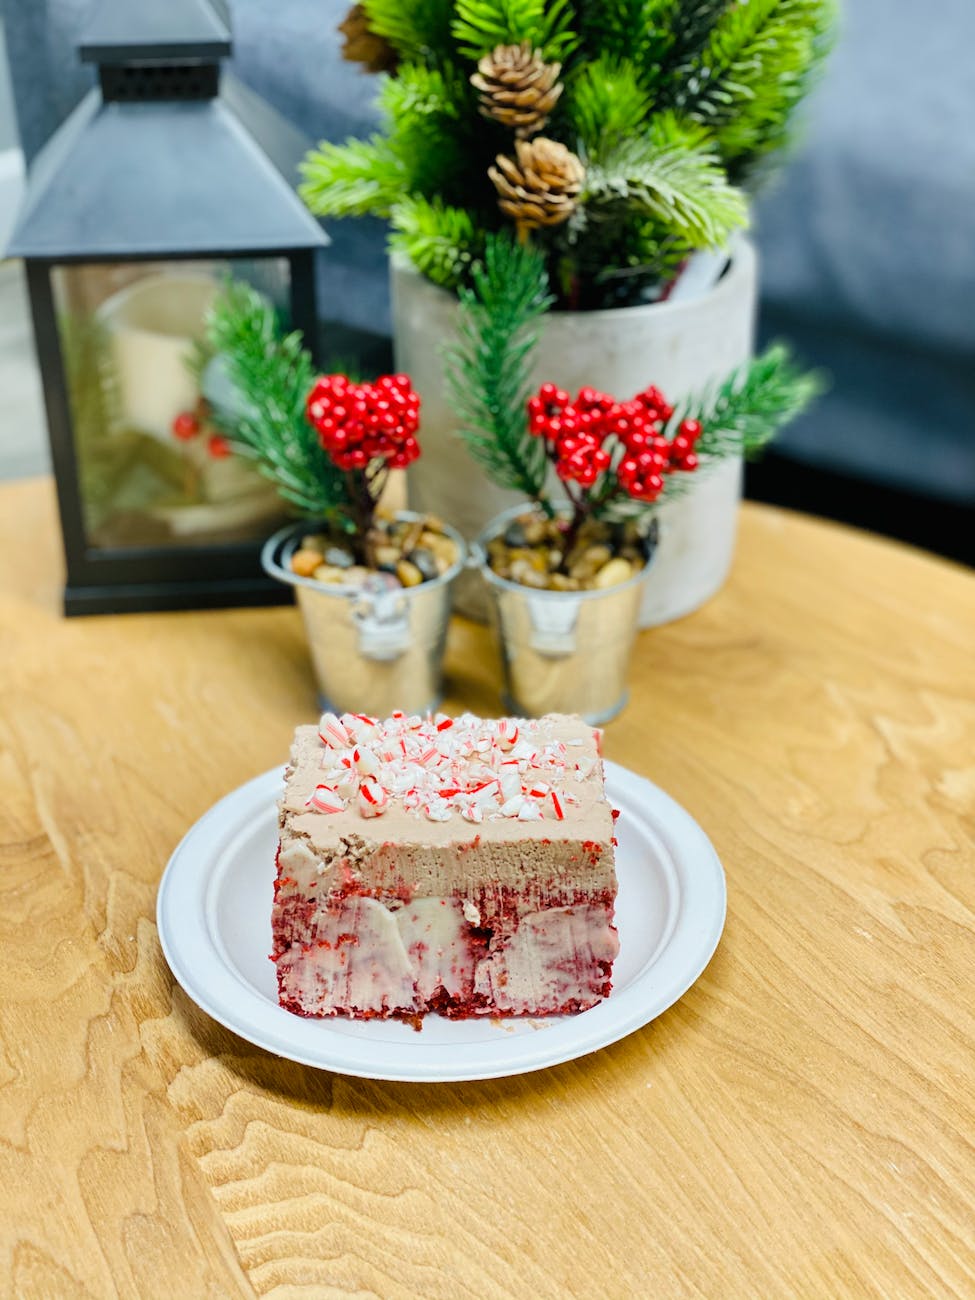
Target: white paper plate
<point>214,918</point>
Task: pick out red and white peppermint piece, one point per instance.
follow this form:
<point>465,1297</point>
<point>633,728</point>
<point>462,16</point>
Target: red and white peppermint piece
<point>507,733</point>
<point>365,760</point>
<point>472,813</point>
<point>510,783</point>
<point>529,811</point>
<point>325,800</point>
<point>333,732</point>
<point>372,798</point>
<point>557,806</point>
<point>347,784</point>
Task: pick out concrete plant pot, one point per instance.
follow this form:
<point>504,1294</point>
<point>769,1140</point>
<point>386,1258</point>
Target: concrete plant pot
<point>682,347</point>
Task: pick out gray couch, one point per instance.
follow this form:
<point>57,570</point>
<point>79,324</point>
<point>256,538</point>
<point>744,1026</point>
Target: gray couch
<point>866,237</point>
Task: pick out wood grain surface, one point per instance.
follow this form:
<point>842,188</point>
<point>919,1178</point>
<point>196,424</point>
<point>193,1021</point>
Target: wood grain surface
<point>801,1123</point>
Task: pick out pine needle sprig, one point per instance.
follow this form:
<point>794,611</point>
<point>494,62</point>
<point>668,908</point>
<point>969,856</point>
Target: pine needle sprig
<point>756,66</point>
<point>671,173</point>
<point>752,404</point>
<point>691,25</point>
<point>482,25</point>
<point>419,30</point>
<point>353,179</point>
<point>442,242</point>
<point>271,374</point>
<point>606,103</point>
<point>430,116</point>
<point>740,417</point>
<point>488,370</point>
<point>640,30</point>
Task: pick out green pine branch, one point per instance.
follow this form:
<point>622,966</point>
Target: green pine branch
<point>419,30</point>
<point>752,405</point>
<point>690,25</point>
<point>442,242</point>
<point>481,25</point>
<point>670,173</point>
<point>352,179</point>
<point>739,417</point>
<point>757,65</point>
<point>606,103</point>
<point>488,370</point>
<point>428,116</point>
<point>272,374</point>
<point>639,30</point>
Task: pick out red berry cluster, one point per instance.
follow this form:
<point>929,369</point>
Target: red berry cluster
<point>582,434</point>
<point>574,431</point>
<point>188,425</point>
<point>360,423</point>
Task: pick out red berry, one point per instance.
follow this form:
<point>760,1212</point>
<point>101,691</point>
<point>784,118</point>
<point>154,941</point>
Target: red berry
<point>690,462</point>
<point>691,429</point>
<point>218,446</point>
<point>185,426</point>
<point>680,447</point>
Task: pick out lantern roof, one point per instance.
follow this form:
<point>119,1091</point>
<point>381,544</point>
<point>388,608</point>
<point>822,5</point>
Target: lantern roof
<point>165,158</point>
<point>120,31</point>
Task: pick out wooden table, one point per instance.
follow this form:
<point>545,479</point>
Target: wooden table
<point>801,1123</point>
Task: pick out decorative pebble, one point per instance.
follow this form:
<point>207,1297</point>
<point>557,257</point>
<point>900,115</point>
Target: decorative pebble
<point>613,573</point>
<point>408,573</point>
<point>589,562</point>
<point>305,562</point>
<point>339,556</point>
<point>387,557</point>
<point>328,573</point>
<point>425,561</point>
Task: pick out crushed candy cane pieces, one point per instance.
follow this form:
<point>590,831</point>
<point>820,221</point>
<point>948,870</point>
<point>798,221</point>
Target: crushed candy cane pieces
<point>440,767</point>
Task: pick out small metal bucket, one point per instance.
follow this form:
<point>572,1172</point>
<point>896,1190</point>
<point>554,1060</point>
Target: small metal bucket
<point>562,651</point>
<point>375,648</point>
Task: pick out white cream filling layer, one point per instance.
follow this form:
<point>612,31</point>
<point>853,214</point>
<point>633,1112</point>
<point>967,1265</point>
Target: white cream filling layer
<point>373,958</point>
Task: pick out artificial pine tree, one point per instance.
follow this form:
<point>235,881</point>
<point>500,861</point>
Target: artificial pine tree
<point>672,107</point>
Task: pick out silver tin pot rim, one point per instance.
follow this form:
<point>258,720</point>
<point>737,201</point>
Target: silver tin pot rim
<point>274,550</point>
<point>478,557</point>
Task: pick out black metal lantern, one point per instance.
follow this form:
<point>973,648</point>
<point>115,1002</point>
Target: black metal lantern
<point>167,178</point>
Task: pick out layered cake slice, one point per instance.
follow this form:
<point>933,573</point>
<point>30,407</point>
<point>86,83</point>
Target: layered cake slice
<point>456,865</point>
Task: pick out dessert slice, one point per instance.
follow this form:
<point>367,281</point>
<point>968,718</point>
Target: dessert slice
<point>456,865</point>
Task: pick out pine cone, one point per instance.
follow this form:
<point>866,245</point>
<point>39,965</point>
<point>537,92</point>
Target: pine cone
<point>517,87</point>
<point>362,45</point>
<point>541,186</point>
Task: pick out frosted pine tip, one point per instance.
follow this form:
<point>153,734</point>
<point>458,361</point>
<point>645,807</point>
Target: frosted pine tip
<point>326,800</point>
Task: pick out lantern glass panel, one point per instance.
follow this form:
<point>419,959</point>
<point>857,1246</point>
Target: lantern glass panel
<point>153,469</point>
